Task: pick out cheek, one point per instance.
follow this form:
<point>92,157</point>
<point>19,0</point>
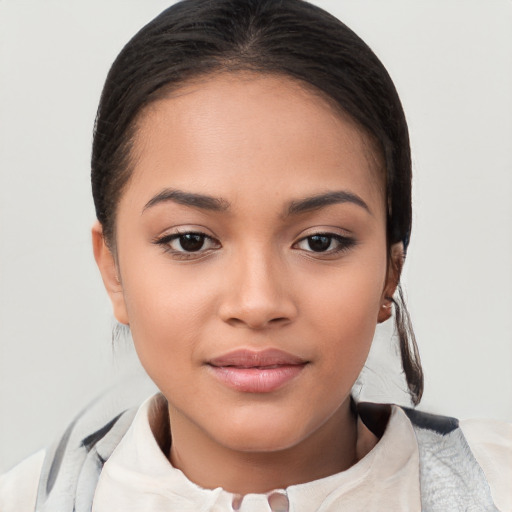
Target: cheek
<point>344,310</point>
<point>168,311</point>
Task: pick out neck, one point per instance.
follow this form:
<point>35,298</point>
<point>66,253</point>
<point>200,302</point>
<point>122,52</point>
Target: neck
<point>328,450</point>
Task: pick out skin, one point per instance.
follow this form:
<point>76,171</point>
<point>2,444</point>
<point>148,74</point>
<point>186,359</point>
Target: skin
<point>257,144</point>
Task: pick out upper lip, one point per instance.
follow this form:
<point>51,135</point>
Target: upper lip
<point>245,358</point>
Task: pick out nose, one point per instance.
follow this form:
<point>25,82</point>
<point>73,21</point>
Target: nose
<point>258,293</point>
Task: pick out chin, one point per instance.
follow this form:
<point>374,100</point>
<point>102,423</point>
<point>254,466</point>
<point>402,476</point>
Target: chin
<point>261,434</point>
<point>260,442</point>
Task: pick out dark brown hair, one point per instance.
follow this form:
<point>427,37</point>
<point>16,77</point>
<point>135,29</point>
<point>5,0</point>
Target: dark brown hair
<point>288,37</point>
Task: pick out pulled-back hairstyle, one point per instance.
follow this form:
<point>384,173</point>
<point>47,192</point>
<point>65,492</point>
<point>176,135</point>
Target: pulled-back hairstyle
<point>194,38</point>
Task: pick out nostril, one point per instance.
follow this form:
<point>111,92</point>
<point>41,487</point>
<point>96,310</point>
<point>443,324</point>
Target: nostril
<point>253,323</point>
<point>244,309</point>
<point>278,320</point>
<point>236,322</point>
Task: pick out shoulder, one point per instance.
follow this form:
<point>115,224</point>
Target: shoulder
<point>491,444</point>
<point>18,487</point>
<point>474,455</point>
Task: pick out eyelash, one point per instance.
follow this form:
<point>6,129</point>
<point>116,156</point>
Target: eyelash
<point>344,243</point>
<point>166,240</point>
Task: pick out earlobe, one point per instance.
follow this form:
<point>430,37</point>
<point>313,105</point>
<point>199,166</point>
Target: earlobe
<point>395,264</point>
<point>385,311</point>
<point>109,273</point>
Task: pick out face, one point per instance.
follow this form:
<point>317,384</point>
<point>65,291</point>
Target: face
<point>251,258</point>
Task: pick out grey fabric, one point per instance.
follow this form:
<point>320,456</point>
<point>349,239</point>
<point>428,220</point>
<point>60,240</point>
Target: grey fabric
<point>450,477</point>
<point>72,466</point>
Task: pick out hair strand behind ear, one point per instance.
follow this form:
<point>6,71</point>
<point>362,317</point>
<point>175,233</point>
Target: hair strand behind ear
<point>410,356</point>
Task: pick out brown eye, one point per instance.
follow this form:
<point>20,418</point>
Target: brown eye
<point>191,242</point>
<point>188,243</point>
<point>319,243</point>
<point>328,243</point>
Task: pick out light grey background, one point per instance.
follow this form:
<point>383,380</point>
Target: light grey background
<point>452,64</point>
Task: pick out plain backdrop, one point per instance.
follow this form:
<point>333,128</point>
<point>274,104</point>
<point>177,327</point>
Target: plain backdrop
<point>451,61</point>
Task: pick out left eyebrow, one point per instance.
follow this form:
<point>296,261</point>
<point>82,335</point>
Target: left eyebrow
<point>316,202</point>
<point>193,200</point>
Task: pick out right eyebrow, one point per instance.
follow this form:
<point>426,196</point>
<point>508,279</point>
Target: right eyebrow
<point>201,201</point>
<point>316,202</point>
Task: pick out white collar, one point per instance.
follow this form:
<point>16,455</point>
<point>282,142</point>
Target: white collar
<point>138,476</point>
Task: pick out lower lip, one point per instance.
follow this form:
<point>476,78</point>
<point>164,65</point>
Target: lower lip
<point>256,380</point>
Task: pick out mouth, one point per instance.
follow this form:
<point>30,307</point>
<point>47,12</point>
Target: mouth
<point>256,371</point>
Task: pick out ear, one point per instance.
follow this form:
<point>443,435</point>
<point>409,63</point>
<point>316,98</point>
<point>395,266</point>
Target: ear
<point>109,273</point>
<point>395,264</point>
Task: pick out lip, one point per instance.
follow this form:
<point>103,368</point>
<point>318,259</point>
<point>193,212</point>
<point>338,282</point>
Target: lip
<point>252,371</point>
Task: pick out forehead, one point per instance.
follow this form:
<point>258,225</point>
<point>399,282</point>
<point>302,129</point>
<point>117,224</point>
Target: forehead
<point>224,131</point>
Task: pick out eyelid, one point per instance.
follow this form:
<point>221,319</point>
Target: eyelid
<point>346,242</point>
<point>175,236</point>
<point>164,240</point>
<point>334,231</point>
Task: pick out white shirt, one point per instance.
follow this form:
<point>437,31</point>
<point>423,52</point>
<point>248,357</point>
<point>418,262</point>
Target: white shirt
<point>138,476</point>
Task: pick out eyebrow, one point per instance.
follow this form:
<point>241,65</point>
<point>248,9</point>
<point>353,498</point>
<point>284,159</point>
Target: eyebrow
<point>217,204</point>
<point>201,201</point>
<point>322,200</point>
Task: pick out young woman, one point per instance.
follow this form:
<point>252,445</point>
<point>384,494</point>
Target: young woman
<point>251,174</point>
